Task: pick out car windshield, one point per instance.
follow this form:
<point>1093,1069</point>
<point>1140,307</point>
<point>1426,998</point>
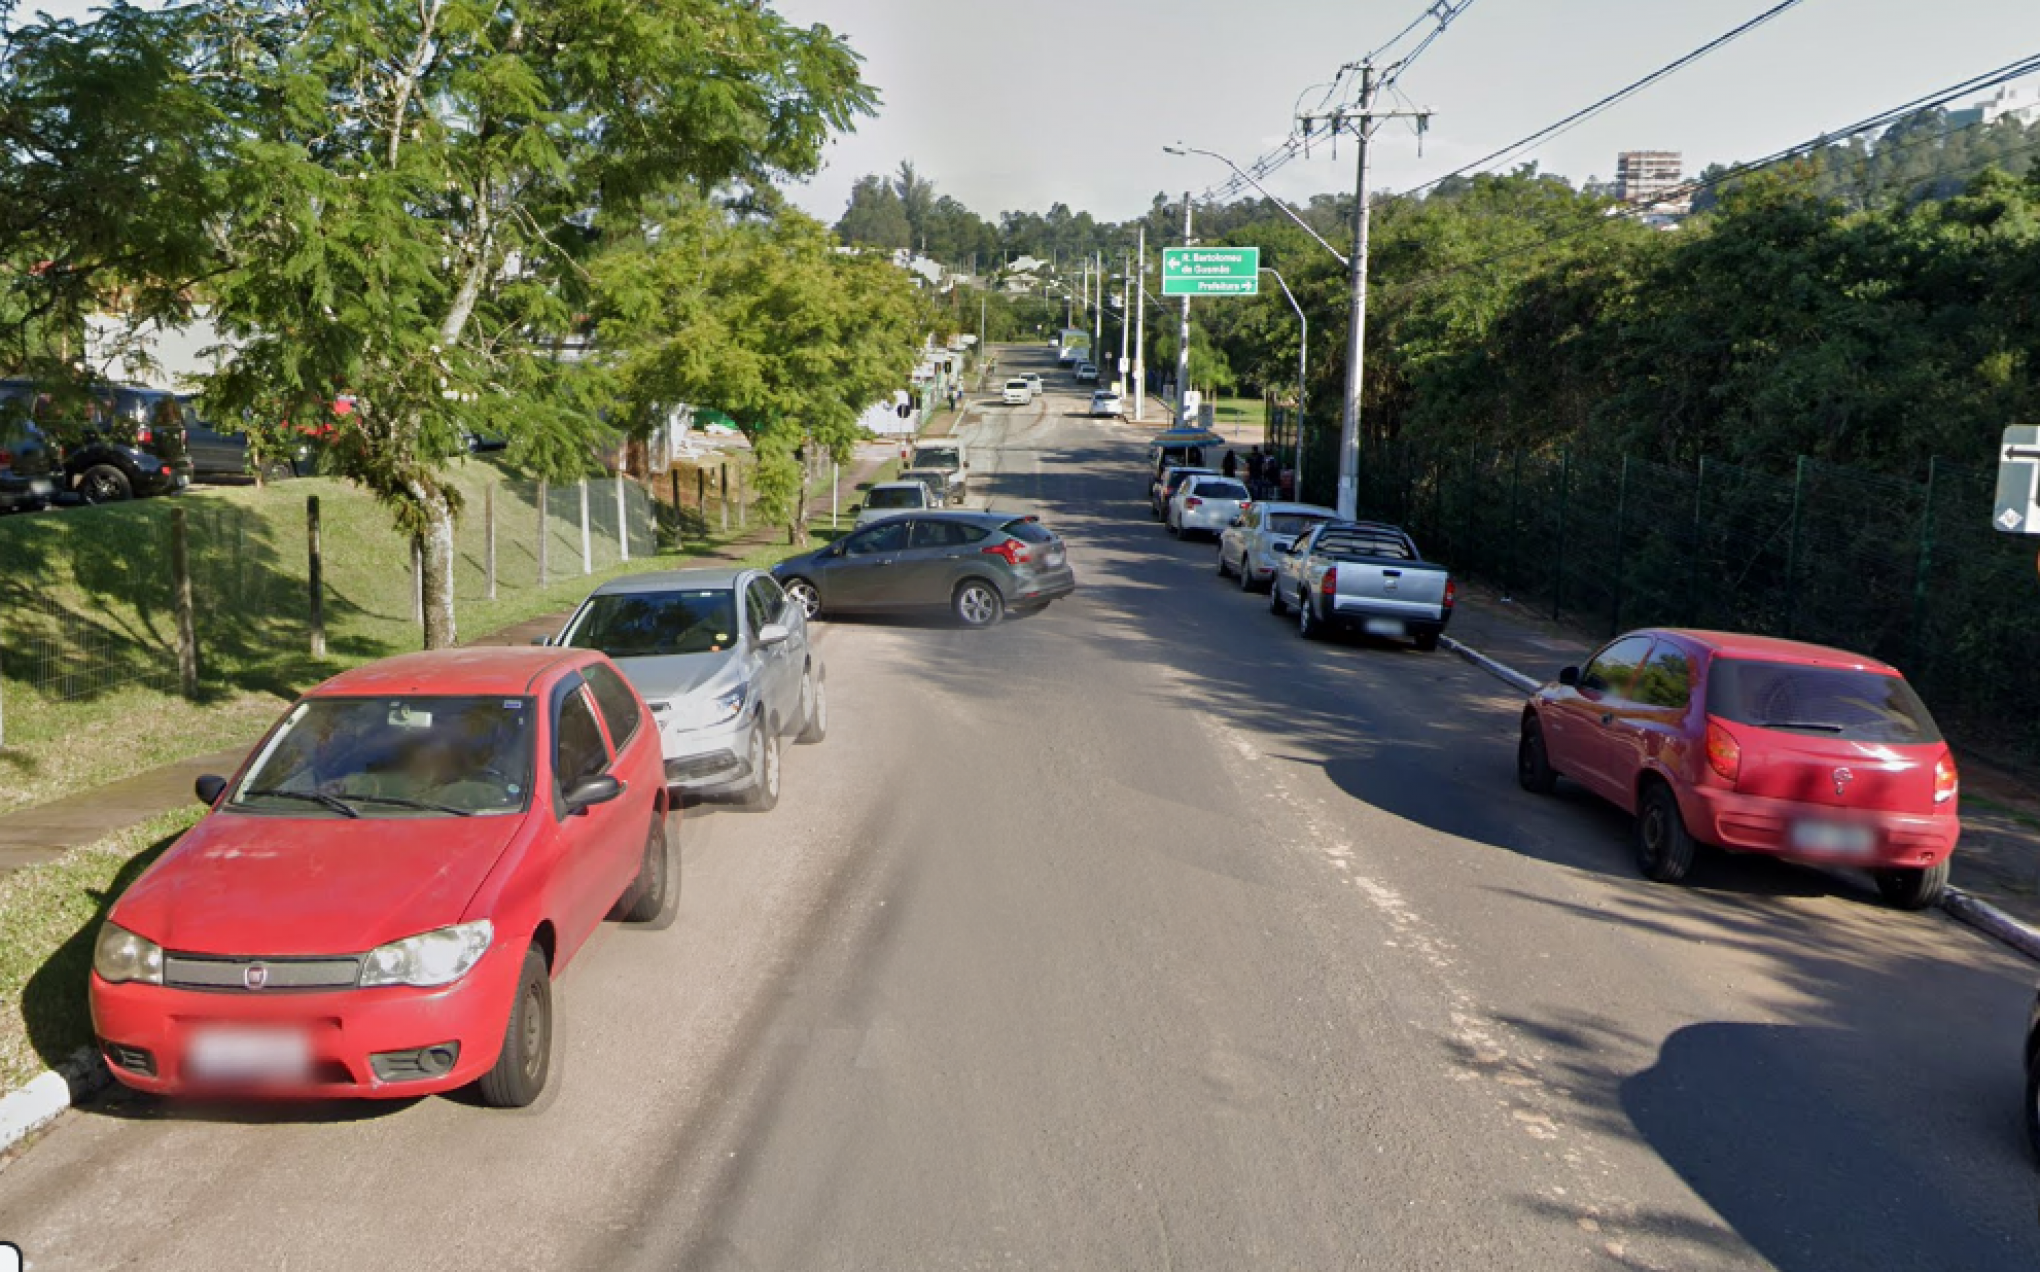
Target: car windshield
<point>657,624</point>
<point>1292,522</point>
<point>1836,702</point>
<point>896,497</point>
<point>394,757</point>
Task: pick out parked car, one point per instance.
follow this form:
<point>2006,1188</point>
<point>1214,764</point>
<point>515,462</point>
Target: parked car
<point>891,498</point>
<point>116,442</point>
<point>1343,575</point>
<point>1033,379</point>
<point>979,566</point>
<point>934,479</point>
<point>1017,392</point>
<point>1087,373</point>
<point>724,660</point>
<point>2033,1078</point>
<point>216,455</point>
<point>1106,404</point>
<point>1206,505</point>
<point>952,461</point>
<point>1165,483</point>
<point>379,901</point>
<point>1251,546</point>
<point>30,465</point>
<point>1754,745</point>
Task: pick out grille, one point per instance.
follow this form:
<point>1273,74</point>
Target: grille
<point>133,1059</point>
<point>198,971</point>
<point>699,765</point>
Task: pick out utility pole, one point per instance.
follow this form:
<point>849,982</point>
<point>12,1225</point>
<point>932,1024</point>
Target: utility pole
<point>1125,326</point>
<point>981,334</point>
<point>1098,307</point>
<point>1140,331</point>
<point>1361,124</point>
<point>1183,337</point>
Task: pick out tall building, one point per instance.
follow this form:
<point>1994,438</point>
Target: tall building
<point>2011,102</point>
<point>1648,176</point>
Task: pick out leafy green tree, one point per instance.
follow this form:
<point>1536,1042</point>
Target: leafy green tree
<point>875,217</point>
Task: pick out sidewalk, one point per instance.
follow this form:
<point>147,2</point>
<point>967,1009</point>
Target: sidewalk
<point>1998,860</point>
<point>45,831</point>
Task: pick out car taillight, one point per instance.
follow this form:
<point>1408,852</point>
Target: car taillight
<point>1014,551</point>
<point>143,436</point>
<point>1451,593</point>
<point>1724,753</point>
<point>1330,586</point>
<point>1946,781</point>
<point>1193,502</point>
<point>6,459</point>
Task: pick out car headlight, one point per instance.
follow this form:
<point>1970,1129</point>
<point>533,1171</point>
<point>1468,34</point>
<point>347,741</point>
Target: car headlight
<point>726,707</point>
<point>121,956</point>
<point>439,957</point>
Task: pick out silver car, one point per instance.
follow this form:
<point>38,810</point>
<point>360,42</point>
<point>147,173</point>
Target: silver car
<point>1206,505</point>
<point>891,498</point>
<point>1249,548</point>
<point>723,660</point>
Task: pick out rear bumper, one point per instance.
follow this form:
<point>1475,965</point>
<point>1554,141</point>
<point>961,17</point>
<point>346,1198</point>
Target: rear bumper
<point>1413,620</point>
<point>1755,823</point>
<point>1041,587</point>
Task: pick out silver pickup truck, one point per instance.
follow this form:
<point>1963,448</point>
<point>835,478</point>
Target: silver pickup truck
<point>1364,576</point>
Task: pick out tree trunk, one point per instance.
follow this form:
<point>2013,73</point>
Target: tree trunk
<point>436,511</point>
<point>796,529</point>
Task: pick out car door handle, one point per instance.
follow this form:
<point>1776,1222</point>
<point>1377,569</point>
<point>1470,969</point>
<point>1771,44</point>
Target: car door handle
<point>1391,574</point>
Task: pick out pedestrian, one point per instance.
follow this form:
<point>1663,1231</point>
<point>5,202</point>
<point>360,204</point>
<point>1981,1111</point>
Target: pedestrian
<point>1230,465</point>
<point>1255,464</point>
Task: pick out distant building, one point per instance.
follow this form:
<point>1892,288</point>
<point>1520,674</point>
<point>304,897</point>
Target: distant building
<point>1653,177</point>
<point>2010,102</point>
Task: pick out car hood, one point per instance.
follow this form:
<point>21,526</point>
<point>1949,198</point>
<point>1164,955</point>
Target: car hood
<point>797,565</point>
<point>667,681</point>
<point>246,885</point>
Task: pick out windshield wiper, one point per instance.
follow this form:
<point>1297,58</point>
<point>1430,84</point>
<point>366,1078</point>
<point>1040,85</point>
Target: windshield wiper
<point>396,802</point>
<point>1814,725</point>
<point>335,803</point>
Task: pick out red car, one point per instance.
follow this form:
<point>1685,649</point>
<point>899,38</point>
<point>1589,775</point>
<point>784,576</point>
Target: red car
<point>379,901</point>
<point>1753,745</point>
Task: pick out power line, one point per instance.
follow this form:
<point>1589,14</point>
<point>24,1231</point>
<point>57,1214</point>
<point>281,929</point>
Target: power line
<point>1615,98</point>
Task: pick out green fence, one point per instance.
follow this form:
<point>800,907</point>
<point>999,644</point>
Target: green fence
<point>1910,572</point>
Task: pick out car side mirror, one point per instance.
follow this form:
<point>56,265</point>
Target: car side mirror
<point>856,507</point>
<point>590,791</point>
<point>1569,677</point>
<point>541,640</point>
<point>209,789</point>
<point>774,634</point>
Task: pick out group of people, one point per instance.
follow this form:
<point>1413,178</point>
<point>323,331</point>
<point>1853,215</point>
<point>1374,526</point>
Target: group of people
<point>1263,473</point>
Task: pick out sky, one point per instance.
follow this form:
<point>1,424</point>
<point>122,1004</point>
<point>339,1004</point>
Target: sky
<point>1012,106</point>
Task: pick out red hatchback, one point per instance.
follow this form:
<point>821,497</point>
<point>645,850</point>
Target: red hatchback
<point>1753,745</point>
<point>380,899</point>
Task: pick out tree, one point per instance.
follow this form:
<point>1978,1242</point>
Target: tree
<point>412,190</point>
<point>875,217</point>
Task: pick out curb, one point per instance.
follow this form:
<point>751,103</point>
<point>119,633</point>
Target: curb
<point>49,1094</point>
<point>1957,904</point>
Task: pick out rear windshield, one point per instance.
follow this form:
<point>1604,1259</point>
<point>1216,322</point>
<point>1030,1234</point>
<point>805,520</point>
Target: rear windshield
<point>1028,530</point>
<point>1836,702</point>
<point>1355,543</point>
<point>1292,522</point>
<point>1018,384</point>
<point>901,497</point>
<point>1221,490</point>
<point>926,458</point>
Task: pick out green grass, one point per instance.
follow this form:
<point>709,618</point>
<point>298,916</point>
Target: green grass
<point>49,918</point>
<point>88,628</point>
<point>1240,411</point>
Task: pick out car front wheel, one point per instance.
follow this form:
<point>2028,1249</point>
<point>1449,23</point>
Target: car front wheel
<point>814,705</point>
<point>526,1060</point>
<point>806,595</point>
<point>762,795</point>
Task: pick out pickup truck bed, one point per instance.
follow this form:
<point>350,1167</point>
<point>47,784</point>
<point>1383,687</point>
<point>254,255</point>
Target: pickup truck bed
<point>1365,577</point>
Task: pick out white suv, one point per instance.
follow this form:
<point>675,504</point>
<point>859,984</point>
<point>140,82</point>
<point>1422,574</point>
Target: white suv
<point>1086,373</point>
<point>1017,393</point>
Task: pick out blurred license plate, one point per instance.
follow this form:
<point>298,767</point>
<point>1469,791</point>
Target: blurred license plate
<point>1833,837</point>
<point>1055,556</point>
<point>226,1053</point>
<point>41,486</point>
<point>1385,627</point>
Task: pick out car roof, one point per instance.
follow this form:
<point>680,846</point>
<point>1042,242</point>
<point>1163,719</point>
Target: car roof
<point>1313,509</point>
<point>508,670</point>
<point>1773,649</point>
<point>673,580</point>
<point>897,485</point>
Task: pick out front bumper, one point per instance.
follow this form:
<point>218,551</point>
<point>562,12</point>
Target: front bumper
<point>26,492</point>
<point>345,1029</point>
<point>715,759</point>
<point>1777,827</point>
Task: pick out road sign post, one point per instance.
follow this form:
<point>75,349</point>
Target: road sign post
<point>2018,490</point>
<point>1211,271</point>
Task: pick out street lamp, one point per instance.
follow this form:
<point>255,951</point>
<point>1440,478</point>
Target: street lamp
<point>1181,149</point>
<point>1302,356</point>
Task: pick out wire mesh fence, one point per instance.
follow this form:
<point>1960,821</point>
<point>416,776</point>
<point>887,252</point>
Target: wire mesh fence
<point>1909,572</point>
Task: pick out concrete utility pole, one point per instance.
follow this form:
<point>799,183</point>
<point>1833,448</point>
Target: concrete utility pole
<point>1125,326</point>
<point>1140,331</point>
<point>1361,125</point>
<point>1098,310</point>
<point>1183,337</point>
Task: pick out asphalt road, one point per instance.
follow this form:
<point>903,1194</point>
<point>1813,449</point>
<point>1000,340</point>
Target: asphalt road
<point>1143,933</point>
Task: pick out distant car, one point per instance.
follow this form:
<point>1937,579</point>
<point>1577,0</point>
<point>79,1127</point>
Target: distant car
<point>1017,392</point>
<point>1086,373</point>
<point>2033,1078</point>
<point>951,460</point>
<point>1106,404</point>
<point>30,465</point>
<point>934,479</point>
<point>1347,575</point>
<point>1249,547</point>
<point>216,455</point>
<point>1206,505</point>
<point>1033,379</point>
<point>116,441</point>
<point>378,903</point>
<point>891,498</point>
<point>724,660</point>
<point>1164,487</point>
<point>979,566</point>
<point>1755,745</point>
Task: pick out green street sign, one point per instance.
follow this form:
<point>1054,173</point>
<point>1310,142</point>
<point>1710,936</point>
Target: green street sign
<point>1211,271</point>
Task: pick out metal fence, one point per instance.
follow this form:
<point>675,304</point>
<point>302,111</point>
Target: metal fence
<point>1909,572</point>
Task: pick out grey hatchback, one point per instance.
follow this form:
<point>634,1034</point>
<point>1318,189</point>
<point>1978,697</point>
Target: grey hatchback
<point>977,565</point>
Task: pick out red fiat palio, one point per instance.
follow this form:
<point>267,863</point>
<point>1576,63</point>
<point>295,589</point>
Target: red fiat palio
<point>1754,745</point>
<point>379,901</point>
